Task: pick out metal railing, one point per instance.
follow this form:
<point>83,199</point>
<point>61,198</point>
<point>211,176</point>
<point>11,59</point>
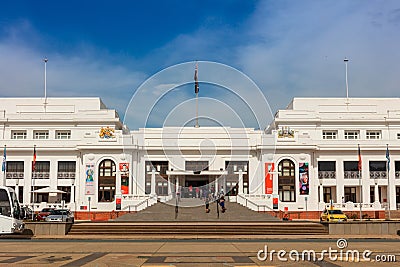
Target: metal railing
<point>377,174</point>
<point>249,204</point>
<point>150,200</point>
<point>327,175</point>
<point>351,174</point>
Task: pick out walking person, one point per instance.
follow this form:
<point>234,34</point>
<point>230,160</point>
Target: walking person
<point>222,203</point>
<point>207,200</point>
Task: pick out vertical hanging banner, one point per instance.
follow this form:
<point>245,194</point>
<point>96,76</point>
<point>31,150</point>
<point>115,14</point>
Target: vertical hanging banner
<point>269,168</point>
<point>124,170</point>
<point>89,182</point>
<point>304,179</point>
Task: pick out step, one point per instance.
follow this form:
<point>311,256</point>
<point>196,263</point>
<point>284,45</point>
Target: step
<point>279,228</point>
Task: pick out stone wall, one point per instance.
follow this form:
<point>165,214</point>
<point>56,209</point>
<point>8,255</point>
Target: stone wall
<point>366,228</point>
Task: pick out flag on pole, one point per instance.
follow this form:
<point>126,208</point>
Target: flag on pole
<point>34,159</point>
<point>359,159</point>
<point>4,165</point>
<point>388,157</point>
<point>196,82</point>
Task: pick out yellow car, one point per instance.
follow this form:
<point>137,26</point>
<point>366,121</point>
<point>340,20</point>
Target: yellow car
<point>333,215</point>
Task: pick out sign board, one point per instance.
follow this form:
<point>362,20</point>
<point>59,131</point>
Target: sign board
<point>275,202</point>
<point>118,202</point>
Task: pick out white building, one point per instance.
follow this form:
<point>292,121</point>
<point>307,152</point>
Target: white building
<point>307,157</point>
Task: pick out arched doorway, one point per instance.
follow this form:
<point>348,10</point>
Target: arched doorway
<point>286,181</point>
<point>107,179</point>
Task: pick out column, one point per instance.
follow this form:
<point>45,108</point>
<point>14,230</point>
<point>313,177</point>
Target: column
<point>153,182</point>
<point>177,185</point>
<point>376,193</point>
<point>241,184</point>
<point>169,184</point>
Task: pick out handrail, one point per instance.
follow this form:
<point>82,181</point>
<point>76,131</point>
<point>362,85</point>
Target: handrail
<point>255,204</point>
<point>139,204</point>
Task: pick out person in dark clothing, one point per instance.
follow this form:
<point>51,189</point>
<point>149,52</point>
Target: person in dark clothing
<point>222,203</point>
<point>207,205</point>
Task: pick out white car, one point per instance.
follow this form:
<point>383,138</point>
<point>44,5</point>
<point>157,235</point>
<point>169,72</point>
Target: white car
<point>60,215</point>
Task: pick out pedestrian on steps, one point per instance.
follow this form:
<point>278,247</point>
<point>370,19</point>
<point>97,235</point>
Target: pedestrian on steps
<point>207,205</point>
<point>222,203</point>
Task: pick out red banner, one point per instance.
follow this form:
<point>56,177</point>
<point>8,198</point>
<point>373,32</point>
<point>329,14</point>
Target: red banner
<point>269,177</point>
<point>124,170</point>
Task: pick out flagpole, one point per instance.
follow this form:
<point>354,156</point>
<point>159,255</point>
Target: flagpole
<point>387,174</point>
<point>197,110</point>
<point>45,80</point>
<point>347,84</point>
<point>196,90</point>
<point>32,184</point>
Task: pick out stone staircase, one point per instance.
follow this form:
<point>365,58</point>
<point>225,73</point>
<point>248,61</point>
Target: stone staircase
<point>160,230</point>
<point>193,210</point>
<point>191,221</point>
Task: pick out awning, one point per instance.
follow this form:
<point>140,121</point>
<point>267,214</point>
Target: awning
<point>48,190</point>
<point>193,173</point>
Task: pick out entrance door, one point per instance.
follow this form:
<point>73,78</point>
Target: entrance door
<point>195,187</point>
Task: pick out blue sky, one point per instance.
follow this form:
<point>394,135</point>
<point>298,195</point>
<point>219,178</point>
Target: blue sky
<point>288,48</point>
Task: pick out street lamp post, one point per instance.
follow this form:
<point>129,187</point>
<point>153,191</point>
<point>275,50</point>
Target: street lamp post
<point>376,191</point>
<point>321,194</point>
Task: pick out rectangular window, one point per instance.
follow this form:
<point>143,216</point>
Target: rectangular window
<point>15,170</point>
<point>63,134</point>
<point>66,197</point>
<point>66,166</point>
<point>351,166</point>
<point>351,170</point>
<point>66,169</point>
<point>375,166</point>
<point>329,134</point>
<point>350,194</point>
<point>326,169</point>
<point>41,134</point>
<point>42,170</point>
<point>18,134</point>
<point>327,165</point>
<point>15,166</point>
<point>196,166</point>
<point>351,134</point>
<point>327,194</point>
<point>373,135</point>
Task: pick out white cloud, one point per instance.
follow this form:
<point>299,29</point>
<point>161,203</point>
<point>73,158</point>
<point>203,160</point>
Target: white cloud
<point>302,45</point>
<point>83,71</point>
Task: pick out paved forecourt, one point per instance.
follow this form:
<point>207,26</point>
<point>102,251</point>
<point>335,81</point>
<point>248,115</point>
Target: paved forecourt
<point>185,253</point>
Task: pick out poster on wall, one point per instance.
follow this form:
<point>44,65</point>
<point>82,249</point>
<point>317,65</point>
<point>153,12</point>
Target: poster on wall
<point>89,182</point>
<point>304,179</point>
<point>269,168</point>
<point>124,170</point>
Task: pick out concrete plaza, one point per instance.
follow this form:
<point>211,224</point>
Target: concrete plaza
<point>190,252</point>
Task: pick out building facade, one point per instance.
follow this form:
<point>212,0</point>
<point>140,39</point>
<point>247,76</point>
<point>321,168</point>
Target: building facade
<point>76,153</point>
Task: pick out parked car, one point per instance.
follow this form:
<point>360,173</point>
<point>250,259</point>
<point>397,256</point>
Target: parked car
<point>60,215</point>
<point>333,215</point>
<point>41,216</point>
